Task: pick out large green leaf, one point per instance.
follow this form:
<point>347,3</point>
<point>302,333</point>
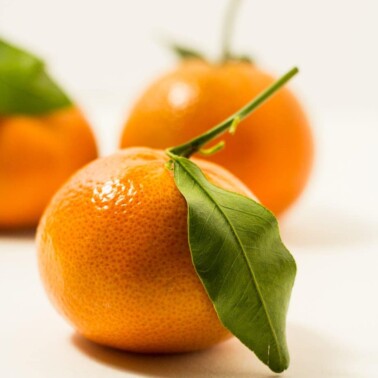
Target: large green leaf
<point>25,87</point>
<point>244,266</point>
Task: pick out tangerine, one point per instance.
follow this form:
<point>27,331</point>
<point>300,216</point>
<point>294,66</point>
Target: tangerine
<point>37,154</point>
<point>272,152</point>
<point>114,256</point>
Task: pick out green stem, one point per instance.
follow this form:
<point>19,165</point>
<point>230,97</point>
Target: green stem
<point>228,28</point>
<point>194,145</point>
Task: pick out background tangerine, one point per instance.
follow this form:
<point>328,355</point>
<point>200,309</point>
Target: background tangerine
<point>37,154</point>
<point>271,152</point>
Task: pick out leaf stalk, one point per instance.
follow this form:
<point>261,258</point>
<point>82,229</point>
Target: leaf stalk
<point>194,145</point>
<point>228,28</point>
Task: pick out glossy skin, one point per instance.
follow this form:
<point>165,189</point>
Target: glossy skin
<point>37,154</point>
<point>271,152</point>
<point>114,256</point>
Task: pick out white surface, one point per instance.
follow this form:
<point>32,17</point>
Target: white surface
<point>105,52</point>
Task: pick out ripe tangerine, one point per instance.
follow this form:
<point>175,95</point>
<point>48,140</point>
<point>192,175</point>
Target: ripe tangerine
<point>272,152</point>
<point>37,154</point>
<point>114,255</point>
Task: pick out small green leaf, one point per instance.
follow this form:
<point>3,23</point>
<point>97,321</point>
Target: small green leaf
<point>238,254</point>
<point>242,58</point>
<point>186,53</point>
<point>25,87</point>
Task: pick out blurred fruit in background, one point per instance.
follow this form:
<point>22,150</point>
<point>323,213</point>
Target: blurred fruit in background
<point>44,138</point>
<point>271,153</point>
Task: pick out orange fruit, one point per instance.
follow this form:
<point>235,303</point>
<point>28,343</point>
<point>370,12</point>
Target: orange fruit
<point>37,154</point>
<point>114,256</point>
<point>271,152</point>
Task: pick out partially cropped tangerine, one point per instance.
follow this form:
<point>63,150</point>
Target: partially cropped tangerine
<point>272,151</point>
<point>114,256</point>
<point>37,154</point>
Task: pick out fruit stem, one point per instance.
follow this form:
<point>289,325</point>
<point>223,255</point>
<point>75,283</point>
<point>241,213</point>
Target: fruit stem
<point>194,145</point>
<point>228,28</point>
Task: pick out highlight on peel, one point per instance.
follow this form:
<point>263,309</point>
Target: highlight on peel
<point>114,256</point>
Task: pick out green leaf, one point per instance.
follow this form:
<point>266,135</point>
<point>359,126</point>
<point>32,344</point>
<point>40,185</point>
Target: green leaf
<point>25,87</point>
<point>242,58</point>
<point>246,270</point>
<point>186,53</point>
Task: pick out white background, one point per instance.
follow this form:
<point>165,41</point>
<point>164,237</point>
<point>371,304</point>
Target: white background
<point>104,53</point>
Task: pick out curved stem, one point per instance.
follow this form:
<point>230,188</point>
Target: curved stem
<point>228,28</point>
<point>194,145</point>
